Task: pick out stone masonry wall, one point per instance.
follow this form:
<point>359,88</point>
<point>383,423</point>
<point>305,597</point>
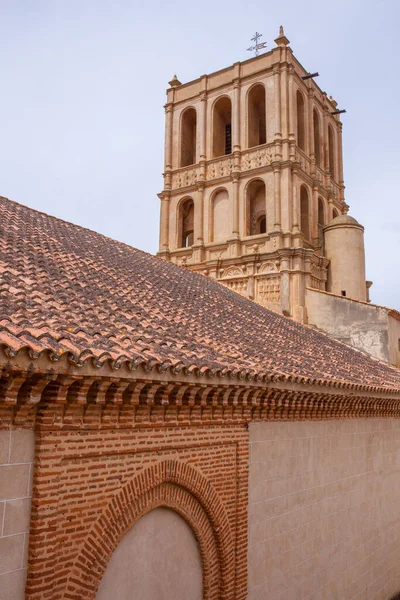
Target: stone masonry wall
<point>324,510</point>
<point>363,326</point>
<point>16,470</point>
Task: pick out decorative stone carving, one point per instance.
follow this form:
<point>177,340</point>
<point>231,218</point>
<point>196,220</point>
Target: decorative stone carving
<point>257,158</point>
<point>233,272</point>
<point>304,163</point>
<point>319,175</point>
<point>269,267</point>
<point>237,285</point>
<point>221,168</point>
<point>318,276</point>
<point>268,289</point>
<point>184,178</point>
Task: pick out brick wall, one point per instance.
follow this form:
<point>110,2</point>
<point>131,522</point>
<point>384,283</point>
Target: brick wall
<point>324,510</point>
<point>16,467</point>
<point>88,493</point>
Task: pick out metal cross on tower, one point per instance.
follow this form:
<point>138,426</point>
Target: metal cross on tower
<point>257,47</point>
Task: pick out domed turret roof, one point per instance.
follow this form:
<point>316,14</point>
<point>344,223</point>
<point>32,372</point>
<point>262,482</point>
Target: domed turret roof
<point>342,221</point>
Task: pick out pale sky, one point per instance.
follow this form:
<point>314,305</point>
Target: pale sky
<point>83,88</point>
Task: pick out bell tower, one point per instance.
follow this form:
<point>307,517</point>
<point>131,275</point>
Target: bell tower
<point>253,174</point>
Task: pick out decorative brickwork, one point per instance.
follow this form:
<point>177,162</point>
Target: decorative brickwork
<point>93,482</point>
<point>109,450</point>
<point>185,490</point>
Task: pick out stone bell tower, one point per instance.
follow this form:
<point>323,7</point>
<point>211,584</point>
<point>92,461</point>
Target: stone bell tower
<point>253,174</point>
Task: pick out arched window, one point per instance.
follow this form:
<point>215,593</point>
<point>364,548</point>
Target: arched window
<point>321,221</point>
<point>335,213</point>
<point>256,217</point>
<point>317,145</point>
<point>304,212</point>
<point>222,127</point>
<point>188,138</point>
<point>186,224</point>
<point>301,132</point>
<point>257,133</point>
<point>221,228</point>
<point>331,152</point>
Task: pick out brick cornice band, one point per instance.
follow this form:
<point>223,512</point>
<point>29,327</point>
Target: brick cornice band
<point>65,401</point>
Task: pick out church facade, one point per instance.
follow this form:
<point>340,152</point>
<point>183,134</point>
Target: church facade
<point>254,196</point>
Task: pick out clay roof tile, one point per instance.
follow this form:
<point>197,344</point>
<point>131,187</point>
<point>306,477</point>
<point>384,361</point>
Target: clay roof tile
<point>65,289</point>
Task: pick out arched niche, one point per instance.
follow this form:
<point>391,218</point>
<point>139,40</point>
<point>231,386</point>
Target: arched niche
<point>221,228</point>
<point>257,128</point>
<point>186,223</point>
<point>331,144</point>
<point>188,137</point>
<point>304,212</point>
<point>157,559</point>
<point>256,222</point>
<point>301,130</point>
<point>168,484</point>
<point>222,127</point>
<point>317,141</point>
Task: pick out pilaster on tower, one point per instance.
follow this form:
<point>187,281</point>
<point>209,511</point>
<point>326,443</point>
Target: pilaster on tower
<point>253,173</point>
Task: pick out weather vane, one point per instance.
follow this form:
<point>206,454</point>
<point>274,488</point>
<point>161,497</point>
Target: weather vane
<point>257,47</point>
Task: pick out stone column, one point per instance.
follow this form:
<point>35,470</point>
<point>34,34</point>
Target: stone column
<point>295,207</point>
<point>202,134</point>
<point>340,161</point>
<point>277,198</point>
<point>236,116</point>
<point>235,205</point>
<point>314,214</point>
<point>284,101</point>
<point>168,145</point>
<point>311,129</point>
<point>325,145</point>
<point>164,221</point>
<point>278,127</point>
<point>199,215</point>
<point>292,116</point>
<point>285,282</point>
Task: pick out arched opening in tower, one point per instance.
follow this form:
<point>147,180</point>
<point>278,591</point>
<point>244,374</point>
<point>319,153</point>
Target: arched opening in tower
<point>221,228</point>
<point>331,144</point>
<point>222,127</point>
<point>186,224</point>
<point>317,143</point>
<point>256,214</point>
<point>304,212</point>
<point>257,133</point>
<point>188,138</point>
<point>301,137</point>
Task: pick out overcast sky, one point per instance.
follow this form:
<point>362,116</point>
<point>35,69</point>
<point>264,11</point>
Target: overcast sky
<point>83,88</point>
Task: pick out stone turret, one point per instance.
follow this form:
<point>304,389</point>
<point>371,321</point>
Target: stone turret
<point>344,247</point>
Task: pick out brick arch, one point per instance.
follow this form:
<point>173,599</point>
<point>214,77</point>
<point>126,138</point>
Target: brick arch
<point>169,484</point>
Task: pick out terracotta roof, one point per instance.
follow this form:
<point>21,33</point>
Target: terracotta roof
<point>65,289</point>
